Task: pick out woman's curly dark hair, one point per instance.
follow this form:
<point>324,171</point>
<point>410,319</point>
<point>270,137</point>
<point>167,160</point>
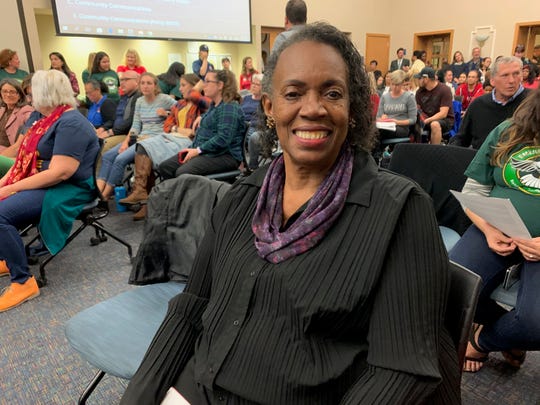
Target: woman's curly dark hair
<point>361,133</point>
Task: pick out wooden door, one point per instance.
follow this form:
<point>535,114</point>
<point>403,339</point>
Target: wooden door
<point>437,44</point>
<point>378,48</point>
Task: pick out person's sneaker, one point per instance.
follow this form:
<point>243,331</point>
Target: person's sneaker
<point>4,271</point>
<point>16,294</point>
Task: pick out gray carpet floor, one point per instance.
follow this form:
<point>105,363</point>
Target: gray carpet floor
<point>37,365</point>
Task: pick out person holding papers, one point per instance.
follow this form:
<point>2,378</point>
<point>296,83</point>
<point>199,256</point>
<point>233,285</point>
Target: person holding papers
<point>396,107</point>
<point>506,166</point>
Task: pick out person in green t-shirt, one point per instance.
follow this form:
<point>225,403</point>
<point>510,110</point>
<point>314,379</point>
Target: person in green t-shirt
<point>101,71</point>
<point>9,66</point>
<point>507,165</point>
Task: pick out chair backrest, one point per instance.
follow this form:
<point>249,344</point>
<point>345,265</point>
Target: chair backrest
<point>461,306</point>
<point>437,169</point>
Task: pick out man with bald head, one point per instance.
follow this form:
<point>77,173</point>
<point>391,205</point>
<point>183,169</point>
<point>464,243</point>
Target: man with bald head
<point>129,86</point>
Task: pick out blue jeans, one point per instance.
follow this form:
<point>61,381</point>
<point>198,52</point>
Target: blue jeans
<point>113,164</point>
<point>519,328</point>
<point>16,212</point>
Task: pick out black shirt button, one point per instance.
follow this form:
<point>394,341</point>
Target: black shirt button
<point>221,398</point>
<point>252,273</point>
<point>211,370</point>
<point>236,323</point>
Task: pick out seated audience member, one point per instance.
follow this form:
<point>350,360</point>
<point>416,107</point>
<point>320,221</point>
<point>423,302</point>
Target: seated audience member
<point>178,133</point>
<point>247,72</point>
<point>202,65</point>
<point>476,61</point>
<point>53,173</point>
<point>146,123</point>
<point>434,101</point>
<point>8,155</point>
<point>448,79</point>
<point>519,52</point>
<point>397,106</point>
<point>58,62</point>
<point>462,79</point>
<point>530,81</point>
<point>373,67</point>
<point>86,72</point>
<point>217,146</point>
<point>102,72</point>
<point>225,63</point>
<point>374,94</point>
<point>129,86</point>
<point>102,111</point>
<point>253,324</point>
<point>132,61</point>
<point>485,69</point>
<point>169,81</point>
<point>506,166</point>
<point>9,66</point>
<point>458,66</point>
<point>536,56</point>
<point>251,105</point>
<point>470,90</point>
<point>14,111</point>
<point>489,110</point>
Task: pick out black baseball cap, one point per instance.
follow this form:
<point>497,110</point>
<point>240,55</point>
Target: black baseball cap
<point>426,72</point>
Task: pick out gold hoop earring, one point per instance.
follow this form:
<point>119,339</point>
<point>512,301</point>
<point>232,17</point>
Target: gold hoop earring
<point>270,122</point>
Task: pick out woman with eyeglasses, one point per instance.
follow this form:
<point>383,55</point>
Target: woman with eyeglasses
<point>53,173</point>
<point>217,146</point>
<point>14,111</point>
<point>9,66</point>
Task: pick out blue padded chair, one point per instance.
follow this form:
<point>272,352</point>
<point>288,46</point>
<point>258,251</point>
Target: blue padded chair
<point>114,335</point>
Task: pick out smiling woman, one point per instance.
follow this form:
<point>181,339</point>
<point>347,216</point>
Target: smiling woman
<point>327,303</point>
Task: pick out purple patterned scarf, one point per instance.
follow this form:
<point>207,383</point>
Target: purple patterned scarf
<point>310,227</point>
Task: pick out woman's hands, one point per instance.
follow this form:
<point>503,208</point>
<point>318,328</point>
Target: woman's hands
<point>124,145</point>
<point>162,112</point>
<point>498,241</point>
<point>6,191</point>
<point>529,248</point>
<point>186,154</point>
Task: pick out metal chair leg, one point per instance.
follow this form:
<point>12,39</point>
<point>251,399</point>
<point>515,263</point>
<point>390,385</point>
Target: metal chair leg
<point>91,387</point>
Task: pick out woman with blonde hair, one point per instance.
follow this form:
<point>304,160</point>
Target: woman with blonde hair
<point>132,61</point>
<point>86,72</point>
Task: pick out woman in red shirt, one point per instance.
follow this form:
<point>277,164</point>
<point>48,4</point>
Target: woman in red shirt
<point>247,71</point>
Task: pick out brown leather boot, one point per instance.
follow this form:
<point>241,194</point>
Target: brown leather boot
<point>141,214</point>
<point>143,171</point>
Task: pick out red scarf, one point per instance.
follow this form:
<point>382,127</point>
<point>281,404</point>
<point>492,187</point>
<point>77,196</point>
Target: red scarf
<point>26,163</point>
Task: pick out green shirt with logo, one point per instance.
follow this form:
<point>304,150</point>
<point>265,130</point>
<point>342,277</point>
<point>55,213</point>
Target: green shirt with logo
<point>110,78</point>
<point>518,179</point>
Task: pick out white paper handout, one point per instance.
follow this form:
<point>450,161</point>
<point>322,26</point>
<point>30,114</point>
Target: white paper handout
<point>173,397</point>
<point>388,125</point>
<point>498,212</point>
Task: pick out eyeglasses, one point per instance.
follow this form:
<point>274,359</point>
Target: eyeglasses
<point>123,79</point>
<point>9,92</point>
<point>255,84</point>
<point>211,81</point>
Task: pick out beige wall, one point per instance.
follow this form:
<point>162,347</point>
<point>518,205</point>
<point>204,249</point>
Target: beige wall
<point>357,17</point>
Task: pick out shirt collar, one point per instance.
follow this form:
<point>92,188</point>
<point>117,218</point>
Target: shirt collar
<point>517,93</point>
